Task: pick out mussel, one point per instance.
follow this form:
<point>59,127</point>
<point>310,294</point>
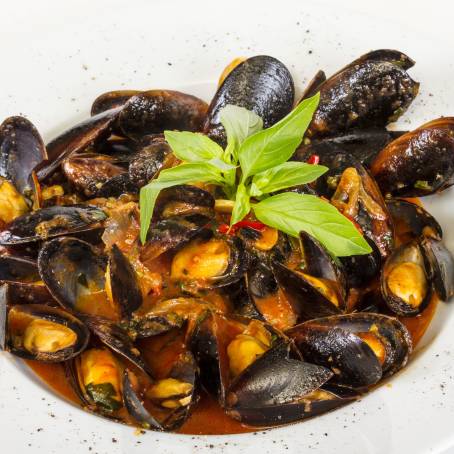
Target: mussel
<point>317,287</point>
<point>95,376</point>
<point>154,111</point>
<point>153,155</point>
<point>51,222</point>
<point>111,100</point>
<point>418,163</point>
<point>359,348</point>
<point>166,403</point>
<point>261,84</point>
<point>89,172</point>
<point>21,150</point>
<point>413,272</point>
<point>278,389</point>
<point>406,280</point>
<point>412,221</point>
<point>170,233</point>
<point>75,140</point>
<point>372,91</point>
<point>96,285</point>
<point>43,333</point>
<point>225,347</point>
<point>210,260</point>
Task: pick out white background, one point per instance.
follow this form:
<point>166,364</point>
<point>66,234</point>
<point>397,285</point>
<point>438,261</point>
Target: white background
<point>57,56</point>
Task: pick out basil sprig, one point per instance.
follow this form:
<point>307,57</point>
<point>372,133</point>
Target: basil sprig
<point>254,165</point>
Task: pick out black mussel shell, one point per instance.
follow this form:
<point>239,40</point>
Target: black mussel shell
<point>412,221</point>
<point>124,286</point>
<point>361,269</point>
<point>117,185</point>
<point>166,315</point>
<point>117,339</point>
<point>75,140</point>
<point>111,100</point>
<point>314,85</point>
<point>261,84</point>
<point>307,298</point>
<point>441,262</point>
<point>359,348</point>
<point>89,172</point>
<point>362,144</point>
<point>183,200</point>
<point>407,280</point>
<point>241,299</point>
<point>18,269</point>
<point>184,369</point>
<point>277,389</point>
<point>28,293</point>
<point>154,111</point>
<point>23,323</point>
<point>21,150</point>
<point>170,233</point>
<point>51,222</point>
<point>419,162</point>
<point>69,267</point>
<point>153,155</point>
<point>368,92</point>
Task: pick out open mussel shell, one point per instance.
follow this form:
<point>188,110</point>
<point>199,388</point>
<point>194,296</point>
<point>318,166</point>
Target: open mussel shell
<point>170,400</point>
<point>124,287</point>
<point>43,333</point>
<point>95,376</point>
<point>21,150</point>
<point>354,192</point>
<point>305,295</point>
<point>71,268</point>
<point>117,339</point>
<point>154,111</point>
<point>407,280</point>
<point>318,289</point>
<point>412,220</point>
<point>89,172</point>
<point>51,222</point>
<point>419,162</point>
<point>441,263</point>
<point>277,389</point>
<point>211,260</point>
<point>261,84</point>
<point>372,91</point>
<point>359,348</point>
<point>75,140</point>
<point>183,200</point>
<point>166,315</point>
<point>172,232</point>
<point>225,346</point>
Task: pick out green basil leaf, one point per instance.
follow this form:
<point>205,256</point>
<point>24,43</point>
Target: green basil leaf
<point>284,176</point>
<point>275,145</point>
<point>182,174</point>
<point>239,123</point>
<point>193,146</point>
<point>292,213</point>
<point>242,205</point>
<point>221,165</point>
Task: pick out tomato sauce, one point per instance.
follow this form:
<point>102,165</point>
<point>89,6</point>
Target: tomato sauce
<point>207,418</point>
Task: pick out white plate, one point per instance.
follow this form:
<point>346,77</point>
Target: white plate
<point>57,56</point>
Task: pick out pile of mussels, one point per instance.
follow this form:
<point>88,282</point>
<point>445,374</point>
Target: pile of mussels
<point>272,342</point>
